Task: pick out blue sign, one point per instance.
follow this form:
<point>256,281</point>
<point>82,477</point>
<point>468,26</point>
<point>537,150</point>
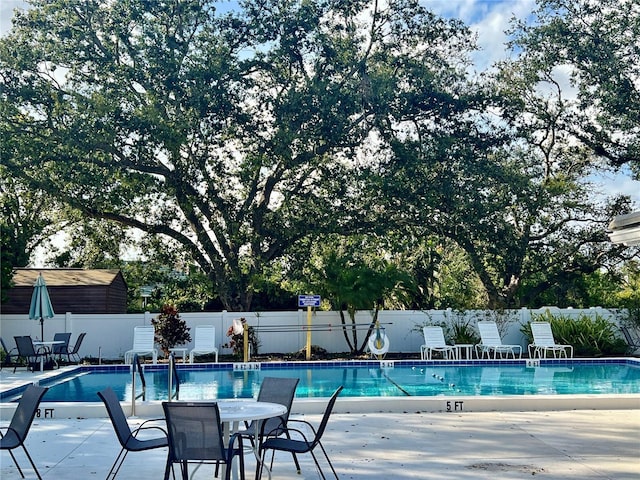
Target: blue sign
<point>308,300</point>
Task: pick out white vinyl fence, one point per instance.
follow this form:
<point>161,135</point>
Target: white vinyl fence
<point>109,336</point>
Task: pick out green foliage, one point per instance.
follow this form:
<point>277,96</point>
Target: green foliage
<point>231,145</point>
<point>171,329</point>
<point>218,130</point>
<point>351,282</point>
<point>6,265</point>
<point>27,219</point>
<point>593,39</point>
<point>457,286</point>
<point>460,332</point>
<point>590,336</point>
<point>629,296</point>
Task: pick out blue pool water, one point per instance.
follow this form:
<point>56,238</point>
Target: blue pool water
<point>362,379</point>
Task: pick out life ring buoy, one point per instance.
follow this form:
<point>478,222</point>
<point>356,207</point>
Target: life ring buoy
<point>384,348</point>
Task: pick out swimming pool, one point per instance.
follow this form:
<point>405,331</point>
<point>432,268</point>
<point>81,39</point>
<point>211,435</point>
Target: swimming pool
<point>362,379</point>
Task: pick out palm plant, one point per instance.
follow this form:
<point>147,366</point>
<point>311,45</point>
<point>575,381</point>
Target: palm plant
<point>350,285</point>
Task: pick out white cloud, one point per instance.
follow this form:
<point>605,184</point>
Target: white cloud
<point>619,183</point>
<point>489,19</point>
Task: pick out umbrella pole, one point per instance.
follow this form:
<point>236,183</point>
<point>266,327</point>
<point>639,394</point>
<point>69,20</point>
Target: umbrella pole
<point>41,329</point>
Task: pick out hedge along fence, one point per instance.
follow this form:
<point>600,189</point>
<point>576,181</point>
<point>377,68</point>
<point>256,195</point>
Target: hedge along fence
<point>109,336</point>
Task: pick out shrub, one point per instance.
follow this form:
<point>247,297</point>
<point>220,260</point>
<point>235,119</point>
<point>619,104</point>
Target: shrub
<point>590,337</point>
<point>461,332</point>
<point>171,330</point>
<point>236,340</point>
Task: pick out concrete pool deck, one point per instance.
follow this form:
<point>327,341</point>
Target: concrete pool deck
<point>579,444</point>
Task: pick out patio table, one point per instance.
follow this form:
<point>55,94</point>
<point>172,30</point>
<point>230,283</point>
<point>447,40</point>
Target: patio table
<point>47,345</point>
<point>233,412</point>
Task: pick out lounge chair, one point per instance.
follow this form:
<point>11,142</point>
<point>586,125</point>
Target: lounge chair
<point>29,354</point>
<point>434,342</point>
<point>544,342</point>
<point>20,424</point>
<point>205,342</point>
<point>196,435</point>
<point>126,436</point>
<point>632,338</point>
<point>143,344</point>
<point>274,390</point>
<point>492,343</point>
<point>301,444</point>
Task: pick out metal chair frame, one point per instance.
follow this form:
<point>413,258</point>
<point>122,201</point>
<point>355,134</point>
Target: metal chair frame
<point>303,445</point>
<point>21,421</point>
<point>126,436</point>
<point>74,351</point>
<point>195,435</point>
<point>27,352</point>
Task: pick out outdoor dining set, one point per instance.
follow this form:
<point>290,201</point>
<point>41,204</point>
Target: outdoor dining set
<point>39,354</point>
<point>213,432</point>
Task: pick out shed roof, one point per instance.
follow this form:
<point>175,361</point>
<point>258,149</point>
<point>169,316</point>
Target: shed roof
<point>26,277</point>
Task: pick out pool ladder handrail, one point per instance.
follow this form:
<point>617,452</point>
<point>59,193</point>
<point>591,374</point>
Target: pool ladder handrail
<point>173,375</point>
<point>135,365</point>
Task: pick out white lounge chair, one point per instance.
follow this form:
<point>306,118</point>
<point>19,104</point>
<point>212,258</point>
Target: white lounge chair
<point>143,344</point>
<point>492,343</point>
<point>434,342</point>
<point>544,342</point>
<point>632,337</point>
<point>205,342</point>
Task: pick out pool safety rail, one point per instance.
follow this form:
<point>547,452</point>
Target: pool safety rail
<point>173,377</point>
<point>136,367</point>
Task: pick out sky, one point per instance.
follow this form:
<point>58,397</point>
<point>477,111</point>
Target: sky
<point>489,19</point>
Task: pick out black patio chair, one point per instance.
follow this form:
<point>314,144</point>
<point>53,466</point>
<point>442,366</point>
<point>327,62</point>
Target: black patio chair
<point>301,445</point>
<point>61,348</point>
<point>30,355</point>
<point>10,355</point>
<point>20,424</point>
<point>195,435</point>
<point>275,390</point>
<point>126,436</point>
<point>73,354</point>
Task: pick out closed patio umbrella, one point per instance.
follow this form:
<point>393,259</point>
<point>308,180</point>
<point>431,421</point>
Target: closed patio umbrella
<point>40,307</point>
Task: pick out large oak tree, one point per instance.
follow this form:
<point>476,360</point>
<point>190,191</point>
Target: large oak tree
<point>231,134</point>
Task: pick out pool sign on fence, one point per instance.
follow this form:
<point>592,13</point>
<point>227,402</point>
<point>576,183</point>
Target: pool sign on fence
<point>308,301</point>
